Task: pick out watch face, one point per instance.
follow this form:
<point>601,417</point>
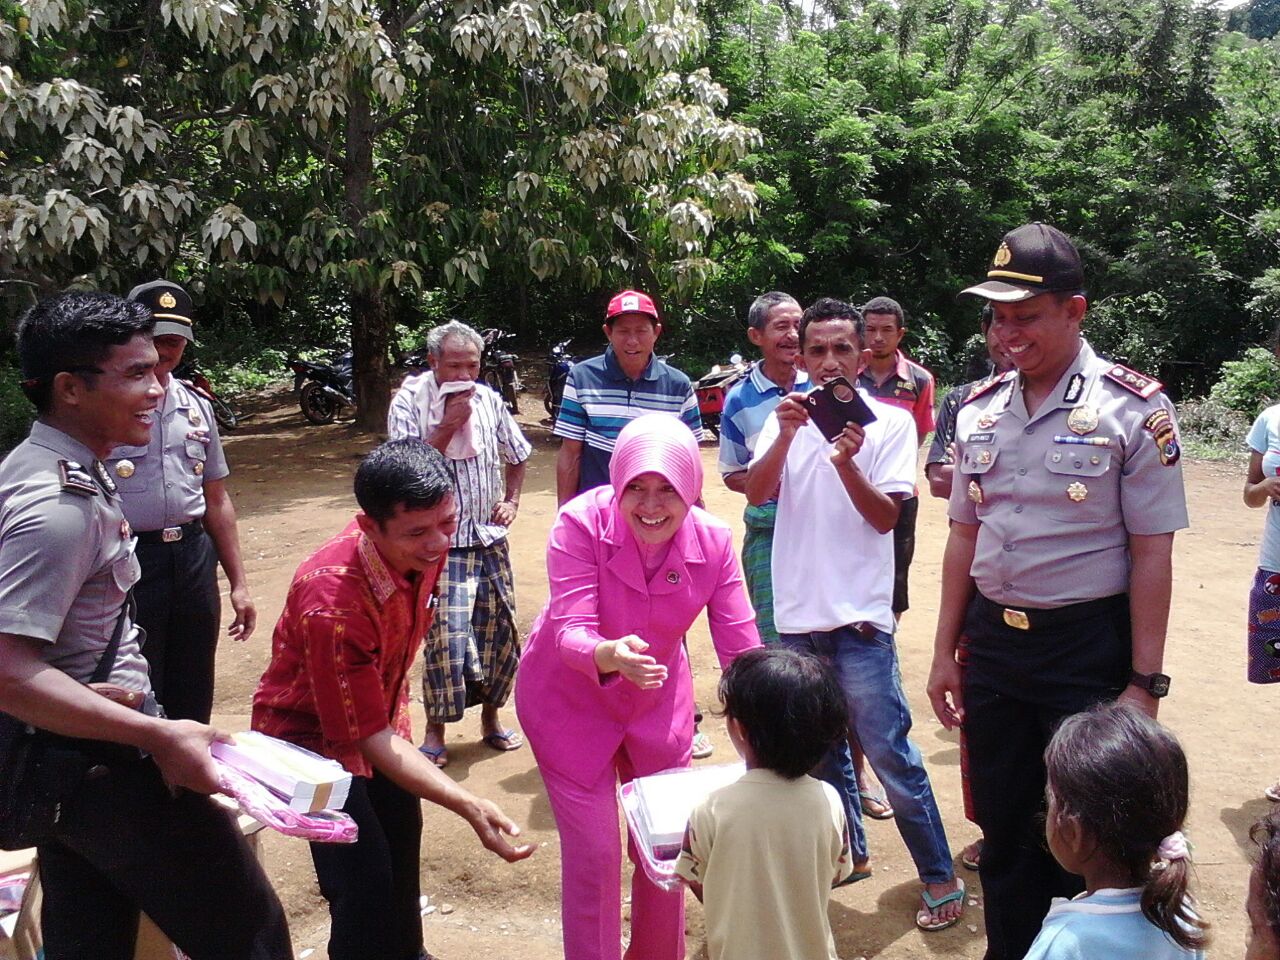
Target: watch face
<point>1159,685</point>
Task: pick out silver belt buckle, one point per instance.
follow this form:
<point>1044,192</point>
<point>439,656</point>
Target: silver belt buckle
<point>171,535</point>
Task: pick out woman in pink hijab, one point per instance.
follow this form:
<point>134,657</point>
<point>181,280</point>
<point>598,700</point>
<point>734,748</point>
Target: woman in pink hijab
<point>603,692</point>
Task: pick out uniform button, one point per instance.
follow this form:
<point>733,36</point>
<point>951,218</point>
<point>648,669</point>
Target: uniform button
<point>1008,548</point>
<point>1079,463</point>
<point>1022,471</point>
<point>1006,585</point>
<point>1018,508</point>
<point>1029,431</point>
<point>169,484</point>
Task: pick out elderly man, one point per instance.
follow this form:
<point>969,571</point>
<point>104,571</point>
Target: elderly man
<point>474,648</point>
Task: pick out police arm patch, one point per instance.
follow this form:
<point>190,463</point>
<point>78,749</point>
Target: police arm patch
<point>1135,382</point>
<point>1159,423</point>
<point>76,479</point>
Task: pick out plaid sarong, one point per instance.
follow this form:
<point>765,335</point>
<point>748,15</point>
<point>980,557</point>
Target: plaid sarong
<point>473,647</point>
<point>757,566</point>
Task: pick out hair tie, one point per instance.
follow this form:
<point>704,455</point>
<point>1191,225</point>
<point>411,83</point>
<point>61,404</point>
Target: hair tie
<point>1174,847</point>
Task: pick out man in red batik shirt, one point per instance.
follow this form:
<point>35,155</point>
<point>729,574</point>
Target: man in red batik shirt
<point>353,623</point>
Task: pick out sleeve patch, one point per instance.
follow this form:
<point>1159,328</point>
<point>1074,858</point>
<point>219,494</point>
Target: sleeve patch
<point>1136,383</point>
<point>1159,423</point>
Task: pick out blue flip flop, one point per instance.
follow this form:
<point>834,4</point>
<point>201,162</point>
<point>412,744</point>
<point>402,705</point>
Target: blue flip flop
<point>505,741</point>
<point>933,903</point>
<point>439,757</point>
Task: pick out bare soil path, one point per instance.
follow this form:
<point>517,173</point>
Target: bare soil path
<point>292,487</point>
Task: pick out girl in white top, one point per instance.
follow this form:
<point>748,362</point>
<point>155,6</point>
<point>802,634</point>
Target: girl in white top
<point>1118,796</point>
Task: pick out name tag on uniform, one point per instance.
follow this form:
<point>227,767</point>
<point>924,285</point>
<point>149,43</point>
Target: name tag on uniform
<point>988,437</point>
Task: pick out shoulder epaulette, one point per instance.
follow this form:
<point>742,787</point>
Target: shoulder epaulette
<point>76,479</point>
<point>1134,382</point>
<point>988,385</point>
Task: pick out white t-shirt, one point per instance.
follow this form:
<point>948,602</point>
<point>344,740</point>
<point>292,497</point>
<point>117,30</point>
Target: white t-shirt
<point>1264,438</point>
<point>830,567</point>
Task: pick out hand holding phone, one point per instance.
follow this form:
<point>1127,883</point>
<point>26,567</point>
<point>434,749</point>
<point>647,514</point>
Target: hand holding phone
<point>835,404</point>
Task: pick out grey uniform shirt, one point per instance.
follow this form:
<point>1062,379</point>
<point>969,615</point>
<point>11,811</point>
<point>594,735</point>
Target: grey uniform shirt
<point>66,559</point>
<point>1055,513</point>
<point>162,483</point>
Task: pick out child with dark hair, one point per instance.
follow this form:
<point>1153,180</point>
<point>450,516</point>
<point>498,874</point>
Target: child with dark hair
<point>762,854</point>
<point>1263,905</point>
<point>1118,796</point>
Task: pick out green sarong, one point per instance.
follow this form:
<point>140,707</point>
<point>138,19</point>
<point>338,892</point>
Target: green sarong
<point>757,566</point>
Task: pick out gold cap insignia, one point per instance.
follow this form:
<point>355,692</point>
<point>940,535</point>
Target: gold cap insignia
<point>168,301</point>
<point>1003,255</point>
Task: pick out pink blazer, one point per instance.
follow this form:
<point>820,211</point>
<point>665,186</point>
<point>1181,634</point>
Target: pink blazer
<point>574,719</point>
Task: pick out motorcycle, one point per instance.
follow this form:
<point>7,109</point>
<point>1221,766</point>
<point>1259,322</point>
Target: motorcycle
<point>323,389</point>
<point>194,377</point>
<point>559,363</point>
<point>498,368</point>
<point>712,388</point>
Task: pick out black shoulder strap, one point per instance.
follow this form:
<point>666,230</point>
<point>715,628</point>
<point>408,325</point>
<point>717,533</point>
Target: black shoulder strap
<point>108,659</point>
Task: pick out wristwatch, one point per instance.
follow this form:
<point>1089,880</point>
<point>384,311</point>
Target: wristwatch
<point>1156,684</point>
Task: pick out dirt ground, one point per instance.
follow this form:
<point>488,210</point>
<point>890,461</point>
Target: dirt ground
<point>292,489</point>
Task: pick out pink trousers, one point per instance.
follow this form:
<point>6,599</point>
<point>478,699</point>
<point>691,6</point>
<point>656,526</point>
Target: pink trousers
<point>590,861</point>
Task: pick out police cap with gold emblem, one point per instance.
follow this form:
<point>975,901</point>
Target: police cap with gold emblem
<point>1031,260</point>
<point>169,304</point>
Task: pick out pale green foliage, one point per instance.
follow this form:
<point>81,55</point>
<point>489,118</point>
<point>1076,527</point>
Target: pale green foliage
<point>586,148</point>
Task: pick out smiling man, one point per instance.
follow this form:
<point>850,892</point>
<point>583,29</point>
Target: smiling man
<point>353,621</point>
<point>174,491</point>
<point>605,393</point>
<point>833,580</point>
<point>134,829</point>
<point>1057,572</point>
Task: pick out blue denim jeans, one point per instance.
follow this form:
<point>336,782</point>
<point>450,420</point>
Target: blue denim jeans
<point>867,668</point>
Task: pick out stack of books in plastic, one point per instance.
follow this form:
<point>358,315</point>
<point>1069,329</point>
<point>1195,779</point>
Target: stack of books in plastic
<point>306,781</point>
<point>657,809</point>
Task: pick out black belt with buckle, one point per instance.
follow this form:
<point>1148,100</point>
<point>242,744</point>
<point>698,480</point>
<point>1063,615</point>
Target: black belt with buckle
<point>171,534</point>
<point>1024,618</point>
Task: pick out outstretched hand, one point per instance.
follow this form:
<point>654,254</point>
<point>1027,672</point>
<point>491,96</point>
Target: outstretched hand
<point>493,827</point>
<point>627,657</point>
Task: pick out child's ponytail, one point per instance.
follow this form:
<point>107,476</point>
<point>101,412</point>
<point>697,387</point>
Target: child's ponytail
<point>1164,896</point>
<point>1124,777</point>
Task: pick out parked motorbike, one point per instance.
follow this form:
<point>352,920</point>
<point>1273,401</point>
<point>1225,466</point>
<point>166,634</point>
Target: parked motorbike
<point>192,376</point>
<point>324,389</point>
<point>498,368</point>
<point>559,363</point>
<point>712,388</point>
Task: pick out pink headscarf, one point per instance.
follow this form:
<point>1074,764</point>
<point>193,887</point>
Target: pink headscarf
<point>658,443</point>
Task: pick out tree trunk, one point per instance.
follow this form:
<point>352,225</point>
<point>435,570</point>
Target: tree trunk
<point>370,318</point>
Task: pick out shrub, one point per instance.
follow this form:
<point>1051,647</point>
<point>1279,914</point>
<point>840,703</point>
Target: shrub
<point>16,411</point>
<point>1250,383</point>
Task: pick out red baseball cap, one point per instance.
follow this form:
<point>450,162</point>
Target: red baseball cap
<point>632,301</point>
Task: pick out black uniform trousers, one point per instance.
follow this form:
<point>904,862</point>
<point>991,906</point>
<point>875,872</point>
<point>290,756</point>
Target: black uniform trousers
<point>1017,686</point>
<point>125,843</point>
<point>179,607</point>
<point>373,885</point>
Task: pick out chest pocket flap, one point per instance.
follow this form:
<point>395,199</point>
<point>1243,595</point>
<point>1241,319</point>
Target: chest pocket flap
<point>977,459</point>
<point>196,450</point>
<point>1077,461</point>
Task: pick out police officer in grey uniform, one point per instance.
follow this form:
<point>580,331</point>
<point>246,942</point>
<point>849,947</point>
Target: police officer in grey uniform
<point>1057,571</point>
<point>137,832</point>
<point>174,493</point>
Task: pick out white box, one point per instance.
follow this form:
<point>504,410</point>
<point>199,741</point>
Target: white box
<point>305,780</point>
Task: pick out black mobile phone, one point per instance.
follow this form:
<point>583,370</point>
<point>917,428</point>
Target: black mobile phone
<point>834,404</point>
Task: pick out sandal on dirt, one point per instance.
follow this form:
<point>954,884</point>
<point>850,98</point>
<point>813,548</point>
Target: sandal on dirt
<point>440,757</point>
<point>1272,792</point>
<point>863,874</point>
<point>502,742</point>
<point>971,856</point>
<point>876,806</point>
<point>932,904</point>
<point>702,746</point>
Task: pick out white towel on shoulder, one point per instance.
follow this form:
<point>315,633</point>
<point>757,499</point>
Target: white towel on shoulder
<point>464,444</point>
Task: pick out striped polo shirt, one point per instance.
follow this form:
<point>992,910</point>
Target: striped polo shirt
<point>599,400</point>
<point>746,408</point>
